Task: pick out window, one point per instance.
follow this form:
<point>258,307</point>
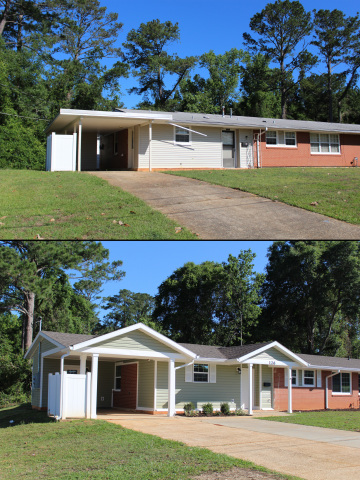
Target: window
<point>281,138</point>
<point>293,377</point>
<point>118,377</point>
<point>201,372</point>
<point>181,135</point>
<point>341,383</point>
<point>309,378</point>
<point>324,143</point>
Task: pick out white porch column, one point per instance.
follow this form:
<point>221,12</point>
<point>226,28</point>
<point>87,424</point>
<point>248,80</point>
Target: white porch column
<point>150,138</point>
<point>79,146</point>
<point>94,381</point>
<point>250,389</point>
<point>289,390</point>
<point>82,364</point>
<point>171,388</point>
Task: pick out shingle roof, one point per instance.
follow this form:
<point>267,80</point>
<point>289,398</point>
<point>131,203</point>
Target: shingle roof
<point>68,339</point>
<point>209,351</point>
<point>323,361</point>
<point>255,122</point>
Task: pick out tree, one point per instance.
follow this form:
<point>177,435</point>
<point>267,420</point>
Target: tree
<point>281,27</point>
<point>30,271</point>
<point>153,65</point>
<point>238,300</point>
<point>337,38</point>
<point>311,295</point>
<point>125,309</point>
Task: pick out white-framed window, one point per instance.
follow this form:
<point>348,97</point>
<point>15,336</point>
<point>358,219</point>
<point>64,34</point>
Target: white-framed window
<point>294,377</point>
<point>341,383</point>
<point>201,372</point>
<point>117,377</point>
<point>324,143</point>
<point>280,138</point>
<point>181,135</point>
<point>309,378</point>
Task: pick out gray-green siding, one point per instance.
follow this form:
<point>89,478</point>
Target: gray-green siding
<point>266,394</point>
<point>270,355</point>
<point>226,388</point>
<point>136,341</point>
<point>146,384</point>
<point>105,384</point>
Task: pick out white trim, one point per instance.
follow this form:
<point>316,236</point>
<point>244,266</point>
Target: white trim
<point>289,391</point>
<point>260,386</point>
<point>42,334</point>
<point>54,350</point>
<point>41,379</point>
<point>111,352</point>
<point>250,409</point>
<point>155,383</point>
<point>342,393</point>
<point>279,347</point>
<point>94,381</point>
<point>181,143</point>
<point>171,388</point>
<point>329,143</point>
<point>188,129</point>
<point>281,145</point>
<point>150,140</point>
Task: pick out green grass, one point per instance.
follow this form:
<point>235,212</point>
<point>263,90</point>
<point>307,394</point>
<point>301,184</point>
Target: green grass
<point>71,205</point>
<point>340,420</point>
<point>94,449</point>
<point>336,190</point>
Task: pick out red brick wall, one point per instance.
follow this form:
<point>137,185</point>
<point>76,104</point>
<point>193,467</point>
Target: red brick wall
<point>313,398</point>
<point>126,398</point>
<point>301,156</point>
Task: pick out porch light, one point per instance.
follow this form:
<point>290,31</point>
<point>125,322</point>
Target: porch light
<point>238,370</point>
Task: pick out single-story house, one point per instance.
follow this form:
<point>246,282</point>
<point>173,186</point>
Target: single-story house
<point>147,141</point>
<point>139,369</point>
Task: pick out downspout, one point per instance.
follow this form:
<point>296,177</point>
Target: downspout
<point>258,149</point>
<point>150,138</point>
<point>62,381</point>
<point>327,389</point>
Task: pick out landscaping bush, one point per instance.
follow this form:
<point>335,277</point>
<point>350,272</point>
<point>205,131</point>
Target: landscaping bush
<point>225,408</point>
<point>189,409</point>
<point>208,409</point>
<point>240,412</point>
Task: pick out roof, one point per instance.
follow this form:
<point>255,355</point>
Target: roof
<point>334,362</point>
<point>189,118</point>
<point>227,353</point>
<point>68,339</point>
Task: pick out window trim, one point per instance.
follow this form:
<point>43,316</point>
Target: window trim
<point>205,373</point>
<point>115,377</point>
<point>281,145</point>
<point>329,144</point>
<point>341,393</point>
<point>313,378</point>
<point>189,142</point>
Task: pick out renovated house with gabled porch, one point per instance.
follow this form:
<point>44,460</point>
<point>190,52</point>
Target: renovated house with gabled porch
<point>138,369</point>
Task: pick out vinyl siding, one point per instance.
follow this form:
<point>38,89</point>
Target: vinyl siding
<point>105,383</point>
<point>226,388</point>
<point>257,385</point>
<point>143,147</point>
<point>266,392</point>
<point>45,347</point>
<point>51,365</point>
<point>35,397</point>
<point>271,355</point>
<point>146,384</point>
<point>246,153</point>
<point>135,341</point>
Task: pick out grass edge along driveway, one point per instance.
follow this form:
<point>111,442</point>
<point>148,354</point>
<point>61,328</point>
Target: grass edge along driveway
<point>96,449</point>
<point>348,420</point>
<point>334,192</point>
<point>72,205</point>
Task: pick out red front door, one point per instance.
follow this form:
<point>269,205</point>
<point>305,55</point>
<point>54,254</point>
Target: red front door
<point>125,397</point>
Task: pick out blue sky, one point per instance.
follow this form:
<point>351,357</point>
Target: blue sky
<point>204,24</point>
<point>148,264</point>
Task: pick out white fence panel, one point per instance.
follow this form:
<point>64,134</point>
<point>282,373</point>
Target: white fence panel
<point>54,388</point>
<point>61,152</point>
<point>74,396</point>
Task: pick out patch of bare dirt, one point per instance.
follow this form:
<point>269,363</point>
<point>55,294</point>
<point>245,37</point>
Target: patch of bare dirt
<point>237,474</point>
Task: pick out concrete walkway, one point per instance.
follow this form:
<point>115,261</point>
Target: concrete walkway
<point>311,453</point>
<point>221,213</point>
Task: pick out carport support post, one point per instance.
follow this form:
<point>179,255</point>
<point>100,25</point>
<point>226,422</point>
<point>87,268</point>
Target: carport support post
<point>171,388</point>
<point>79,146</point>
<point>94,381</point>
<point>250,389</point>
<point>289,391</point>
<point>150,138</point>
<point>82,364</point>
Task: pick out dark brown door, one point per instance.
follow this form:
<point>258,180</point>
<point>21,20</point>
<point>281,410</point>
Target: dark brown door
<point>123,149</point>
<point>125,397</point>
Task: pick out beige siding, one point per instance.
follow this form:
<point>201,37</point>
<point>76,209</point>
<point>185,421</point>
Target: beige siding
<point>35,397</point>
<point>88,151</point>
<point>271,355</point>
<point>51,365</point>
<point>257,385</point>
<point>136,341</point>
<point>266,392</point>
<point>146,384</point>
<point>105,383</point>
<point>45,347</point>
<point>136,147</point>
<point>226,388</point>
<point>144,147</point>
<point>246,153</point>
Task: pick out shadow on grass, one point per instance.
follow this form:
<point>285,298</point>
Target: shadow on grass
<point>21,415</point>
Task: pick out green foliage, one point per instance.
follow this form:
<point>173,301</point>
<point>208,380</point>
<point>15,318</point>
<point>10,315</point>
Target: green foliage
<point>145,52</point>
<point>225,408</point>
<point>240,412</point>
<point>208,409</point>
<point>189,409</point>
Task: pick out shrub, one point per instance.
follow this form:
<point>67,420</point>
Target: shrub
<point>189,409</point>
<point>208,409</point>
<point>240,412</point>
<point>225,408</point>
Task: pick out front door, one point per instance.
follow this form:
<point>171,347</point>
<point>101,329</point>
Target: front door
<point>228,141</point>
<point>124,396</point>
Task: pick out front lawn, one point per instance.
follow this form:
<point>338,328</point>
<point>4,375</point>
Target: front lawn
<point>71,205</point>
<point>334,192</point>
<point>97,450</point>
<point>340,420</point>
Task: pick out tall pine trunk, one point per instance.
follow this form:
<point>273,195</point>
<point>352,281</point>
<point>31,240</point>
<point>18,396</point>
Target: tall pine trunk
<point>28,324</point>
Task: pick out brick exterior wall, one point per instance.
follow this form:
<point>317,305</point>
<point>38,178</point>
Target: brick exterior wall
<point>313,398</point>
<point>126,398</point>
<point>300,156</point>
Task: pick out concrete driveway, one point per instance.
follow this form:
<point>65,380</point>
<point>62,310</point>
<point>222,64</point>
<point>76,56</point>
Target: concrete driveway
<point>221,213</point>
<point>311,453</point>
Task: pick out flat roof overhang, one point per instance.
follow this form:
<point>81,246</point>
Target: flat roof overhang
<point>102,122</point>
